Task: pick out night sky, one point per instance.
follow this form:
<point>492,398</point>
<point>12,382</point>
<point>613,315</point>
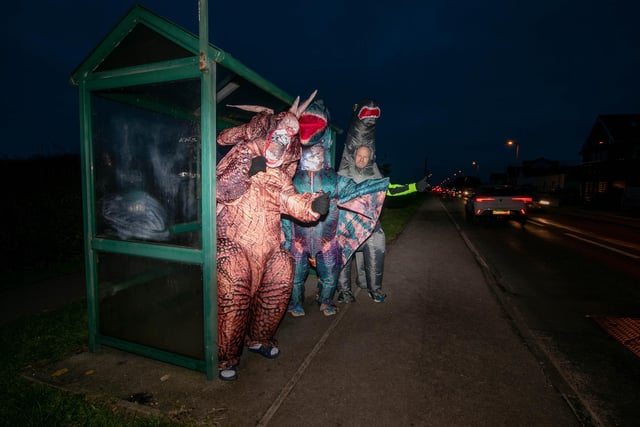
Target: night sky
<point>454,80</point>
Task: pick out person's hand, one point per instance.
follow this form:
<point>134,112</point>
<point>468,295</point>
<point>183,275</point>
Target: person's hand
<point>422,185</point>
<point>258,164</point>
<point>321,204</point>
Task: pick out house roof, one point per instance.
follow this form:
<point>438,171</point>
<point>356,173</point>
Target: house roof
<point>621,126</point>
<point>614,128</point>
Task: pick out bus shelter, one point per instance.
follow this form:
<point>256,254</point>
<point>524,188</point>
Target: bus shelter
<point>152,98</point>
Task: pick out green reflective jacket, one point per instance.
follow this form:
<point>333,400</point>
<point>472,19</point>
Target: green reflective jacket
<point>401,189</point>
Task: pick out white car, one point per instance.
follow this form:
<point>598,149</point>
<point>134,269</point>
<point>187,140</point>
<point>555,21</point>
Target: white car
<point>497,201</point>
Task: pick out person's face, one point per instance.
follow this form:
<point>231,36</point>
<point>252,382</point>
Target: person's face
<point>362,157</point>
<point>312,158</point>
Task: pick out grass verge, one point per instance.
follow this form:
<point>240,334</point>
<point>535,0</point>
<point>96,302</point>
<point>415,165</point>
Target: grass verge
<point>397,212</point>
<point>34,342</point>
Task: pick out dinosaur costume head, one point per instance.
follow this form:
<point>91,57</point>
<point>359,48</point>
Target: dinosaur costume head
<point>315,137</point>
<point>280,146</point>
<point>361,130</point>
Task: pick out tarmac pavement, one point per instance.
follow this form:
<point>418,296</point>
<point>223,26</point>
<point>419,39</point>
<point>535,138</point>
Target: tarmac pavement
<point>442,350</point>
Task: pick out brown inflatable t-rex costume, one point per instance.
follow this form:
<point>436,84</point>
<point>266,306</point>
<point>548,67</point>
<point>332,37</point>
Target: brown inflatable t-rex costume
<point>254,271</point>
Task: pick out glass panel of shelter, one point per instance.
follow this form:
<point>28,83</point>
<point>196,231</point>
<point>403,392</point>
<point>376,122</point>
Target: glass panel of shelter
<point>146,144</point>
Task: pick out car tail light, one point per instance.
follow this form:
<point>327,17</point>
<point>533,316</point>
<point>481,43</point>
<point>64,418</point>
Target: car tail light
<point>523,212</point>
<point>484,199</point>
<point>522,199</point>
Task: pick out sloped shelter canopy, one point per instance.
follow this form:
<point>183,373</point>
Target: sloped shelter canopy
<point>142,38</point>
<point>152,98</point>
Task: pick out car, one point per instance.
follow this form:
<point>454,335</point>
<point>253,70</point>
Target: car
<point>540,200</point>
<point>545,201</point>
<point>497,202</point>
<point>466,192</point>
<point>465,187</point>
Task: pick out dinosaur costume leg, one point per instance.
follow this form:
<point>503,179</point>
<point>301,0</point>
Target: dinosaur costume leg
<point>361,278</point>
<point>301,271</point>
<point>234,301</point>
<point>328,267</point>
<point>344,283</point>
<point>270,300</point>
<point>374,251</point>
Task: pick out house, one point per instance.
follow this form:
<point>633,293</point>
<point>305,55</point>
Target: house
<point>543,174</point>
<point>610,169</point>
<point>550,179</point>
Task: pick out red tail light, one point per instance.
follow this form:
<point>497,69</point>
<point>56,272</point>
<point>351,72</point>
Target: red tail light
<point>484,199</point>
<point>522,199</point>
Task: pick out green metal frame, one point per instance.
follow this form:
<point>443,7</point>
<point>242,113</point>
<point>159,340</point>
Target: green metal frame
<point>202,65</point>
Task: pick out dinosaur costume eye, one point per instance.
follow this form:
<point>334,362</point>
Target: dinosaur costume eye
<point>281,137</point>
<point>276,147</point>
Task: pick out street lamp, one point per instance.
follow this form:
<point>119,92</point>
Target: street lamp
<point>512,143</point>
<point>477,165</point>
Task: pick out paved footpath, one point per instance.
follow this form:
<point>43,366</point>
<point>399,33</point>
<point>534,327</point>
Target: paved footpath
<point>441,351</point>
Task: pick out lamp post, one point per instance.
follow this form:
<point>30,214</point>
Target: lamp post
<point>477,165</point>
<point>512,143</point>
<point>516,169</point>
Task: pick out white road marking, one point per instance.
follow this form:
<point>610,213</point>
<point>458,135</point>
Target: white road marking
<point>629,245</point>
<point>630,255</point>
